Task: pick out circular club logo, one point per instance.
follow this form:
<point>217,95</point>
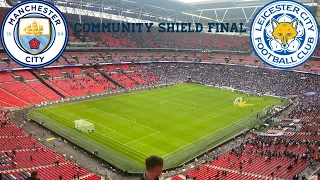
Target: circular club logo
<point>34,33</point>
<point>284,34</point>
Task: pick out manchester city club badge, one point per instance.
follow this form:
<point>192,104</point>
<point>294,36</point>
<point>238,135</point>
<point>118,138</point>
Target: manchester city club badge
<point>34,34</point>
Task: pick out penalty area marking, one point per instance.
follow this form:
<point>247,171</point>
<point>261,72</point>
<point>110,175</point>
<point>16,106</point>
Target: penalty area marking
<point>133,119</point>
<point>104,135</point>
<point>186,107</point>
<point>123,144</point>
<point>112,130</point>
<point>109,133</point>
<point>203,110</point>
<point>141,138</point>
<point>126,119</point>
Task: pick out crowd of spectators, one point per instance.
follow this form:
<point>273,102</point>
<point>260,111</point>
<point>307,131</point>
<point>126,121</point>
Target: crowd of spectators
<point>303,88</point>
<point>308,105</point>
<point>259,80</point>
<point>284,156</point>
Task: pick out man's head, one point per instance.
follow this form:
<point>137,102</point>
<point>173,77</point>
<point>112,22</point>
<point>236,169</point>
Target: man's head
<point>34,174</point>
<point>154,165</point>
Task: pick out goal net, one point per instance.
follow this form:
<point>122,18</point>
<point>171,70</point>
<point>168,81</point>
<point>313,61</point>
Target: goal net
<point>84,126</point>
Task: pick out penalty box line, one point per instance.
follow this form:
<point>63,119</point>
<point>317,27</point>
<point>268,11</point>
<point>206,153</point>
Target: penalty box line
<point>127,120</point>
<point>112,130</point>
<point>135,123</point>
<point>104,135</point>
<point>141,138</point>
<point>194,107</point>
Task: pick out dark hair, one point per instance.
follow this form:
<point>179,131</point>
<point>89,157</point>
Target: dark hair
<point>34,174</point>
<point>153,161</point>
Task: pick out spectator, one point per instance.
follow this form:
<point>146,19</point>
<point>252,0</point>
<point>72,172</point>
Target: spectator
<point>34,176</point>
<point>154,165</point>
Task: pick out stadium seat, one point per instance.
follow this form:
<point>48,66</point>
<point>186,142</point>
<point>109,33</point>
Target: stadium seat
<point>70,87</point>
<point>10,100</point>
<point>43,90</point>
<point>23,92</point>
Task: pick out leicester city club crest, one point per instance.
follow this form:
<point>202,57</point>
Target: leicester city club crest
<point>34,33</point>
<point>284,34</point>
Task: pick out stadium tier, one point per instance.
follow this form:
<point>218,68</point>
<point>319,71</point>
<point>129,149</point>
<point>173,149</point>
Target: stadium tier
<point>21,154</point>
<point>28,87</point>
<point>56,83</point>
<point>80,58</point>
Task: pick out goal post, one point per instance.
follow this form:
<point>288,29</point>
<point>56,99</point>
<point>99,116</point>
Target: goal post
<point>84,126</point>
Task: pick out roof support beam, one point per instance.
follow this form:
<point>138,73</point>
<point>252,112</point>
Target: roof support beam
<point>224,15</point>
<point>199,16</point>
<point>216,16</point>
<point>244,13</point>
<point>245,7</point>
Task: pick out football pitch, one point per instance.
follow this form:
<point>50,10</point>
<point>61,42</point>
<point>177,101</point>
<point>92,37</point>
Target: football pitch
<point>177,123</point>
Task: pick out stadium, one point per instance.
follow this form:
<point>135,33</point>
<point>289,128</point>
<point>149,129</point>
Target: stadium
<point>204,102</point>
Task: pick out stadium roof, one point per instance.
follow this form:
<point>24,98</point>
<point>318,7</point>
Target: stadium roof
<point>202,11</point>
<point>218,10</point>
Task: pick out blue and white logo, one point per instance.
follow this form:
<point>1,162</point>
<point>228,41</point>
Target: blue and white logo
<point>34,33</point>
<point>284,34</point>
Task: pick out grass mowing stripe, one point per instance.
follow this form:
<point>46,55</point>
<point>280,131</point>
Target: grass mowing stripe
<point>191,107</point>
<point>126,119</point>
<point>197,118</point>
<point>115,147</point>
<point>142,138</point>
<point>103,135</point>
<point>208,135</point>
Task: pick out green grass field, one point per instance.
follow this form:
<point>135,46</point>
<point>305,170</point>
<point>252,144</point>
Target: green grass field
<point>177,123</point>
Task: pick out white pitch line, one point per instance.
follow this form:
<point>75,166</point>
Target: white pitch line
<point>141,138</point>
<point>159,131</point>
<point>211,133</point>
<point>81,116</point>
<point>202,138</point>
<point>126,119</point>
<point>123,144</point>
<point>108,137</point>
<point>73,113</point>
<point>135,120</point>
<point>102,125</point>
<point>190,107</point>
<point>109,133</point>
<point>57,114</point>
